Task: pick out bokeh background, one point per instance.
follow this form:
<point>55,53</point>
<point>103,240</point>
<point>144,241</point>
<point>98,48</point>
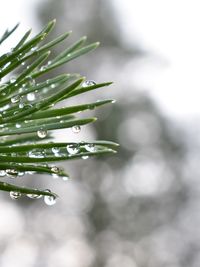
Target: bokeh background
<point>139,208</point>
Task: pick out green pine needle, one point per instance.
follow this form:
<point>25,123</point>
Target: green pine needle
<point>28,112</point>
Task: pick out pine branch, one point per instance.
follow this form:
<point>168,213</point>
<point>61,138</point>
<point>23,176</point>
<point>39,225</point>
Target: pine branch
<point>28,112</point>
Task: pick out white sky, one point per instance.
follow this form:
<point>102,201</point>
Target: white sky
<point>170,29</point>
<point>167,28</point>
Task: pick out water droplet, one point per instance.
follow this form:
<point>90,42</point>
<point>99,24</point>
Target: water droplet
<point>21,105</point>
<point>49,62</point>
<point>55,150</point>
<point>53,85</point>
<point>2,173</point>
<point>55,169</point>
<point>30,97</point>
<point>73,149</point>
<point>21,174</point>
<point>36,154</point>
<point>17,125</point>
<point>12,173</point>
<point>15,195</point>
<point>23,63</point>
<point>90,147</point>
<point>34,48</point>
<point>85,157</point>
<point>76,129</point>
<point>43,68</point>
<point>30,80</point>
<point>88,83</point>
<point>34,196</point>
<point>49,200</point>
<point>41,133</point>
<point>15,99</point>
<point>13,80</point>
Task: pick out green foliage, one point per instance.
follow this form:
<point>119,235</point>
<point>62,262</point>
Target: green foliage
<point>28,111</point>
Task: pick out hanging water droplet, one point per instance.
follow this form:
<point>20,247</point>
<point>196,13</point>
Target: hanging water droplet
<point>21,174</point>
<point>85,157</point>
<point>17,125</point>
<point>55,169</point>
<point>15,99</point>
<point>49,200</point>
<point>13,80</point>
<point>23,63</point>
<point>41,133</point>
<point>49,62</point>
<point>12,173</point>
<point>76,128</point>
<point>73,149</point>
<point>30,97</point>
<point>53,86</point>
<point>90,147</point>
<point>34,196</point>
<point>88,83</point>
<point>15,195</point>
<point>2,173</point>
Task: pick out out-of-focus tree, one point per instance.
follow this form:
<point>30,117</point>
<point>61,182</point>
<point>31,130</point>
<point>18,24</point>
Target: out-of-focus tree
<point>125,210</point>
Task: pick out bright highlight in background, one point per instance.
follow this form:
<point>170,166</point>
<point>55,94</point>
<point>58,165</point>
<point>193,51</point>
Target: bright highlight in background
<point>169,30</point>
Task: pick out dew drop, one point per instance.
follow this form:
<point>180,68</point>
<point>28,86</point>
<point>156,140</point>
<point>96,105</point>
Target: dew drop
<point>36,154</point>
<point>55,150</point>
<point>21,174</point>
<point>30,80</point>
<point>34,196</point>
<point>55,169</point>
<point>15,195</point>
<point>15,99</point>
<point>41,133</point>
<point>17,125</point>
<point>90,147</point>
<point>30,97</point>
<point>88,83</point>
<point>76,129</point>
<point>21,105</point>
<point>13,80</point>
<point>43,68</point>
<point>12,173</point>
<point>73,149</point>
<point>85,157</point>
<point>34,48</point>
<point>49,200</point>
<point>2,173</point>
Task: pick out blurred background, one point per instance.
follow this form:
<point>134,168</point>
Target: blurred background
<point>139,208</point>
